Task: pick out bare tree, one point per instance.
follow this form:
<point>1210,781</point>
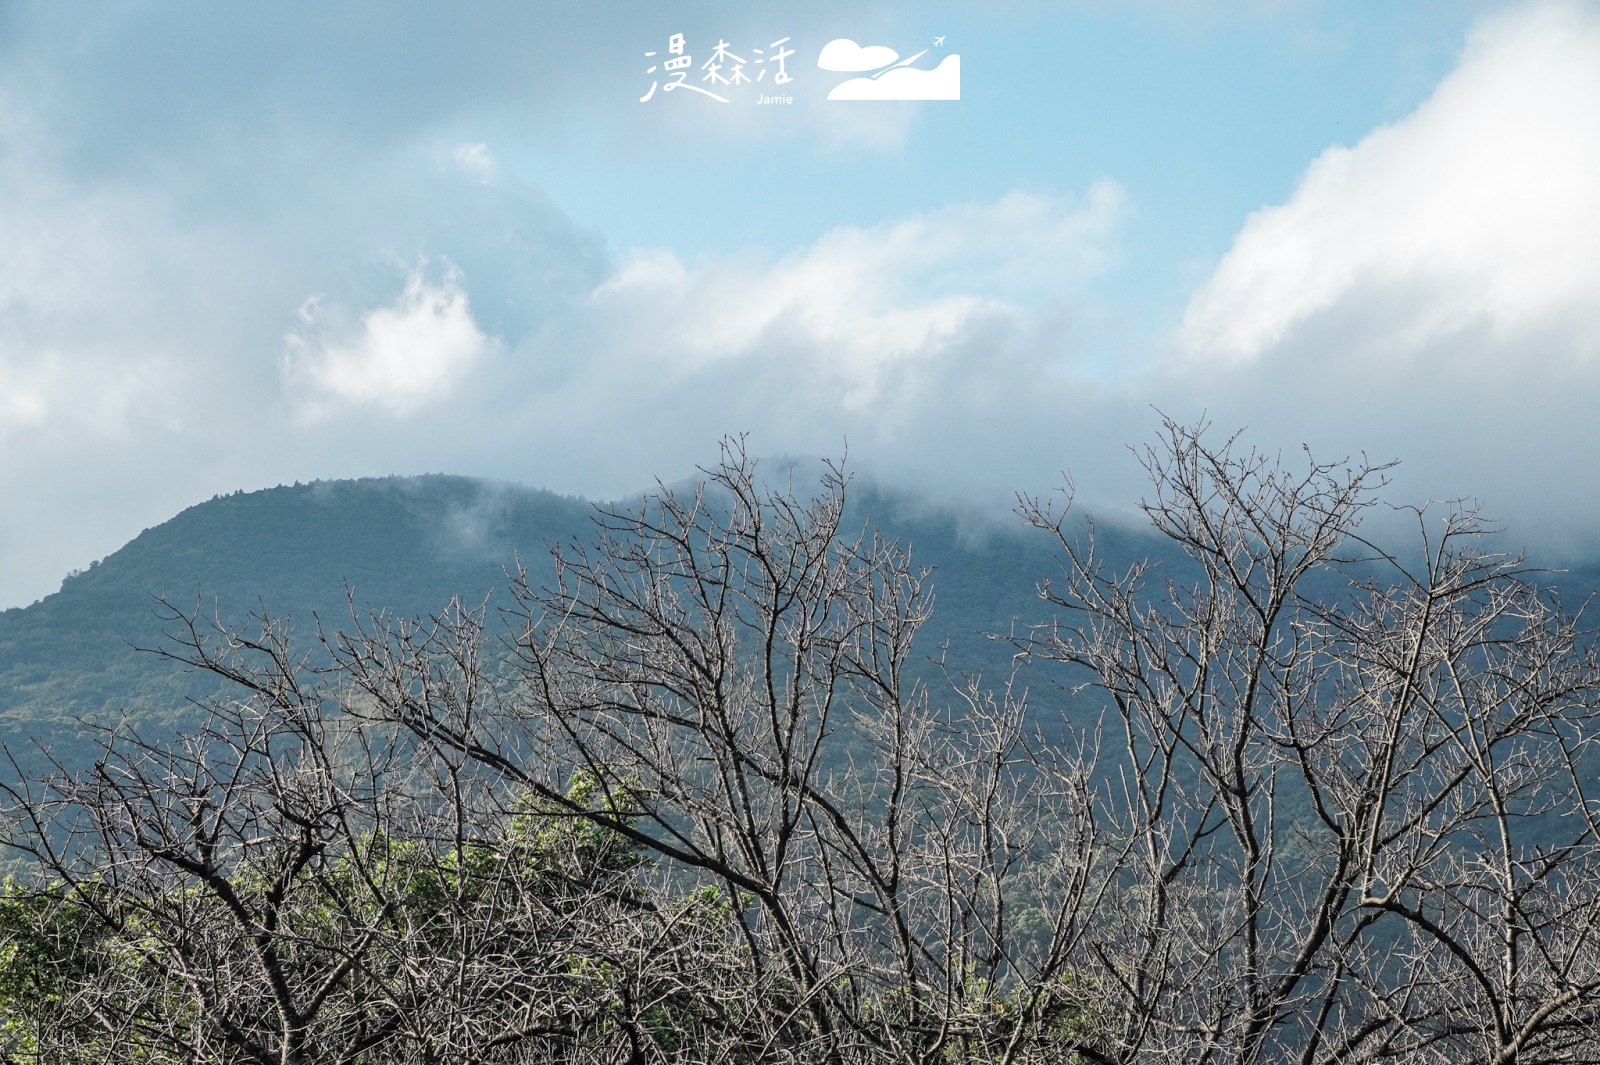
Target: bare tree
<point>908,883</point>
<point>400,854</point>
<point>1349,790</point>
<point>1323,802</point>
<point>289,885</point>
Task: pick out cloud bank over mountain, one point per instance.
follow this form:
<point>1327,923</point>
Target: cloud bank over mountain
<point>234,254</point>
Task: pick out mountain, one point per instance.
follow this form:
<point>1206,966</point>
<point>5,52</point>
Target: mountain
<point>401,544</point>
<point>407,545</point>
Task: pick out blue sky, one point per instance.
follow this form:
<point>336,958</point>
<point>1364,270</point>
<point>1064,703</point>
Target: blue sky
<point>249,245</point>
<point>1218,115</point>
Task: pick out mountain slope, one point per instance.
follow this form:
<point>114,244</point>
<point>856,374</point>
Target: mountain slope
<point>406,545</point>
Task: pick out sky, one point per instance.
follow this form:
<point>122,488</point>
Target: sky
<point>249,245</point>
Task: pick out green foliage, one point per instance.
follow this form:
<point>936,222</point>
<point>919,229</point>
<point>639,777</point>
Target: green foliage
<point>540,831</point>
<point>37,956</point>
<point>535,862</point>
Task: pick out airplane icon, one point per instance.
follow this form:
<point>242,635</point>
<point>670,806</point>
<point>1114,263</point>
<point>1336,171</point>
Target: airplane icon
<point>937,41</point>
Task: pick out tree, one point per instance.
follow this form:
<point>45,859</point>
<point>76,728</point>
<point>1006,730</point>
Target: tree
<point>398,852</point>
<point>286,885</point>
<point>730,668</point>
<point>1319,801</point>
<point>1349,826</point>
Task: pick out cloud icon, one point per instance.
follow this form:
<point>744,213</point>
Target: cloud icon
<point>848,56</point>
<point>906,83</point>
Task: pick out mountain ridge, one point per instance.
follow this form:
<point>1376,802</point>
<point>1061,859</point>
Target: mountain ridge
<point>405,545</point>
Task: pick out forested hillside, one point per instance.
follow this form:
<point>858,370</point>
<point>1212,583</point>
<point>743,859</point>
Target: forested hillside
<point>405,546</point>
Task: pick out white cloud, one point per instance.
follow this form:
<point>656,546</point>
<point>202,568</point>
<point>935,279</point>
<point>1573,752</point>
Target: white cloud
<point>147,264</point>
<point>476,159</point>
<point>1473,222</point>
<point>1433,293</point>
<point>82,395</point>
<point>80,352</point>
<point>857,307</point>
<point>25,395</point>
<point>142,328</point>
<point>404,357</point>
